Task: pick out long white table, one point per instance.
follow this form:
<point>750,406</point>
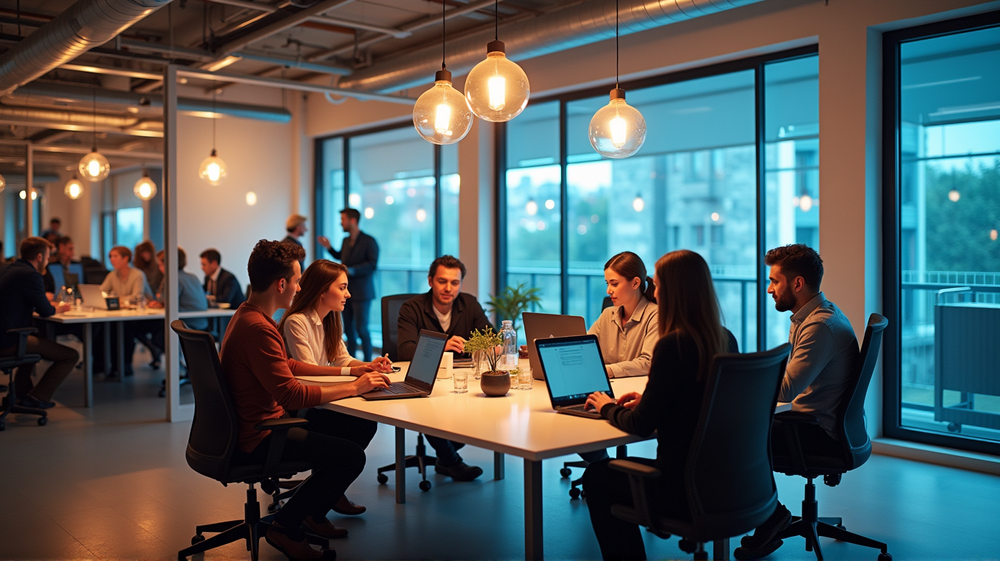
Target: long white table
<point>89,316</point>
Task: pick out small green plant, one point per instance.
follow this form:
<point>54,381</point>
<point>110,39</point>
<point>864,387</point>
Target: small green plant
<point>513,301</point>
<point>486,341</point>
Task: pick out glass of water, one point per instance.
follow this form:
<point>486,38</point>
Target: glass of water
<point>524,379</point>
<point>460,376</point>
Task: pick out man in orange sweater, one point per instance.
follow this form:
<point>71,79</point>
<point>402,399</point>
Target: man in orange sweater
<point>262,380</point>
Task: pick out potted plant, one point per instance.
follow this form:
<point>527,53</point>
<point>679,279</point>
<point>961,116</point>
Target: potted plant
<point>513,301</point>
<point>484,344</point>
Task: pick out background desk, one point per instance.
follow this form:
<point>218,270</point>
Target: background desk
<point>88,318</point>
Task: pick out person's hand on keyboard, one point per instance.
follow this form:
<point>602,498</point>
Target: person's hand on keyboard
<point>370,381</point>
<point>597,400</point>
<point>629,400</point>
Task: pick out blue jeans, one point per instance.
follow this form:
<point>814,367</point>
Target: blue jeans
<point>355,316</point>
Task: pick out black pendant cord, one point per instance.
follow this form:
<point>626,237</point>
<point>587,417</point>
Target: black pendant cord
<point>95,119</point>
<point>616,44</point>
<point>215,118</point>
<point>496,20</point>
<point>443,36</point>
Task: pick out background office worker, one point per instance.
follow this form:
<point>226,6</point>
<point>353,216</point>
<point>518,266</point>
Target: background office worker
<point>22,292</point>
<point>261,378</point>
<point>296,228</point>
<point>823,356</point>
<point>446,309</point>
<point>219,282</point>
<point>127,283</point>
<point>690,323</point>
<point>359,253</point>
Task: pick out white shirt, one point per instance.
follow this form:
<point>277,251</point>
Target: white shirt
<point>443,319</point>
<point>304,338</point>
<point>628,347</point>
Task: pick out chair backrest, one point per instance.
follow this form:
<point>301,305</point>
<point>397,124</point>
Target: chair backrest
<point>606,303</point>
<point>390,322</point>
<point>215,429</point>
<point>94,275</point>
<point>851,413</point>
<point>730,485</point>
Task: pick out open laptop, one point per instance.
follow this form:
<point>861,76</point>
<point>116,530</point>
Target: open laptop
<point>423,369</point>
<point>545,326</point>
<point>93,296</point>
<point>574,369</point>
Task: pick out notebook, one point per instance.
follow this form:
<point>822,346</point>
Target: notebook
<point>574,369</point>
<point>423,369</point>
<point>545,326</point>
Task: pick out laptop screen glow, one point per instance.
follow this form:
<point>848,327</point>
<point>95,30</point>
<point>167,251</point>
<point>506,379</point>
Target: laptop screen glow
<point>573,369</point>
<point>426,359</point>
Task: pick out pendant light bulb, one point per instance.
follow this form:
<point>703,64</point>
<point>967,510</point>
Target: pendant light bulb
<point>441,115</point>
<point>145,188</point>
<point>3,183</point>
<point>212,169</point>
<point>497,88</point>
<point>617,130</point>
<point>94,167</point>
<point>74,188</point>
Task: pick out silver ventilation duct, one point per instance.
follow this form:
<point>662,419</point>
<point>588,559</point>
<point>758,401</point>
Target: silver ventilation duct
<point>85,25</point>
<point>76,121</point>
<point>575,25</point>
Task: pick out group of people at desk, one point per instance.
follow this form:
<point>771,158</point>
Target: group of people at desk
<point>669,332</point>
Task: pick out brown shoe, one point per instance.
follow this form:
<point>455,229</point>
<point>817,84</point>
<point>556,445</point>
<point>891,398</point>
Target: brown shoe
<point>296,550</point>
<point>323,528</point>
<point>345,506</point>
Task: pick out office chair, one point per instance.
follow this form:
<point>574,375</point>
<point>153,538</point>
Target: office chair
<point>729,484</point>
<point>575,492</point>
<point>390,337</point>
<point>9,365</point>
<point>856,448</point>
<point>212,445</point>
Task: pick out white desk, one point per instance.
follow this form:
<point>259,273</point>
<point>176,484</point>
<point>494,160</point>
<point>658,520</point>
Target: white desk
<point>91,316</point>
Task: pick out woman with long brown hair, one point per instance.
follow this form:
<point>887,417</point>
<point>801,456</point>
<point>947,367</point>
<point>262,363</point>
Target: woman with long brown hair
<point>691,333</point>
<point>145,261</point>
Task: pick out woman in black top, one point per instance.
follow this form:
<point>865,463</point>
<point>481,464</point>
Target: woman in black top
<point>691,333</point>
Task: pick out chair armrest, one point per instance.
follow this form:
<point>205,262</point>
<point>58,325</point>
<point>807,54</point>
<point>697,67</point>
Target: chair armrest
<point>634,468</point>
<point>642,480</point>
<point>796,417</point>
<point>279,432</point>
<point>22,341</point>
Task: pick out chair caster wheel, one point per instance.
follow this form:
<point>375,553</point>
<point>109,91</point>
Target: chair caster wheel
<point>425,485</point>
<point>565,472</point>
<point>383,478</point>
<point>574,493</point>
<point>2,425</point>
<point>42,421</point>
<point>884,557</point>
<point>687,546</point>
<point>198,538</point>
<point>271,508</point>
<point>162,393</point>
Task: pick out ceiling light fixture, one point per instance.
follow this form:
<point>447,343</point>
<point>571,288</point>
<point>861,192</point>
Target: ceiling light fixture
<point>637,203</point>
<point>3,183</point>
<point>212,168</point>
<point>145,188</point>
<point>74,188</point>
<point>497,88</point>
<point>617,130</point>
<point>94,167</point>
<point>441,115</point>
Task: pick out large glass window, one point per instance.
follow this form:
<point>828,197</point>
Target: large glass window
<point>945,298</point>
<point>694,185</point>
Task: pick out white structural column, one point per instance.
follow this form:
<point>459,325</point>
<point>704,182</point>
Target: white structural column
<point>174,411</point>
<point>29,180</point>
<point>475,209</point>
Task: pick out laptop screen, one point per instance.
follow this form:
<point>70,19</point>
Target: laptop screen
<point>427,357</point>
<point>573,367</point>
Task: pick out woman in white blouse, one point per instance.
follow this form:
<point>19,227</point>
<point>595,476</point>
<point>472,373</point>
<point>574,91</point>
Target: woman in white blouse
<point>312,330</point>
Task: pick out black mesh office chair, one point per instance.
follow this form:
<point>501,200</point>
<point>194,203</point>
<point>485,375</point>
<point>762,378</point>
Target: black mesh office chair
<point>9,365</point>
<point>855,450</point>
<point>390,337</point>
<point>212,446</point>
<point>729,483</point>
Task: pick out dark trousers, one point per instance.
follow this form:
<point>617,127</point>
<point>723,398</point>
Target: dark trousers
<point>334,444</point>
<point>63,360</point>
<point>605,487</point>
<point>814,441</point>
<point>355,316</point>
<point>445,450</point>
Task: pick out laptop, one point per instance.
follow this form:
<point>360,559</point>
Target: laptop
<point>574,369</point>
<point>423,369</point>
<point>94,297</point>
<point>545,326</point>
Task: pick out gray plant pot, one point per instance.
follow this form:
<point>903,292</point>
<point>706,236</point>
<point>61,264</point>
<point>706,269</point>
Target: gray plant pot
<point>495,384</point>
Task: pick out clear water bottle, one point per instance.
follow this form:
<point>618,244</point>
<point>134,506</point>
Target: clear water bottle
<point>509,338</point>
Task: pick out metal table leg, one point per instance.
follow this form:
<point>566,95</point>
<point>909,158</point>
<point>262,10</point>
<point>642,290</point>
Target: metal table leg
<point>533,510</point>
<point>120,339</point>
<point>400,465</point>
<point>88,365</point>
<point>498,466</point>
<point>720,550</point>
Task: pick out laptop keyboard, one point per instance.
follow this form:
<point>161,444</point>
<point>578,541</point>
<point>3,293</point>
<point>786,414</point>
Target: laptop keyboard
<point>396,389</point>
<point>582,407</point>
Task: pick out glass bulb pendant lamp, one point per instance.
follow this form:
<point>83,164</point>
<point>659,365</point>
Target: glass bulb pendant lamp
<point>497,88</point>
<point>212,169</point>
<point>3,183</point>
<point>74,188</point>
<point>145,188</point>
<point>441,115</point>
<point>617,130</point>
<point>94,167</point>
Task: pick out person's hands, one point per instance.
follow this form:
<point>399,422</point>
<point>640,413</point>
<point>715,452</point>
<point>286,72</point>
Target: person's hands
<point>630,400</point>
<point>323,241</point>
<point>370,381</point>
<point>598,400</point>
<point>64,307</point>
<point>155,304</point>
<point>455,344</point>
<point>381,364</point>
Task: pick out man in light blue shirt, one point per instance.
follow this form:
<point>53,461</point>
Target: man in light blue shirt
<point>190,298</point>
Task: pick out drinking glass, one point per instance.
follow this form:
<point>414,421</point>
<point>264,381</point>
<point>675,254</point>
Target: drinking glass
<point>460,376</point>
<point>524,379</point>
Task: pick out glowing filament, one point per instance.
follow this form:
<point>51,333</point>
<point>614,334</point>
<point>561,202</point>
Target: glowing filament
<point>498,92</point>
<point>214,171</point>
<point>618,131</point>
<point>94,168</point>
<point>442,119</point>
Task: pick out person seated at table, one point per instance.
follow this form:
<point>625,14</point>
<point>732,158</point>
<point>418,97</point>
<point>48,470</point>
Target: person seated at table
<point>219,282</point>
<point>691,333</point>
<point>145,261</point>
<point>22,292</point>
<point>261,377</point>
<point>127,283</point>
<point>60,263</point>
<point>627,329</point>
<point>445,309</point>
<point>313,334</point>
<point>190,298</point>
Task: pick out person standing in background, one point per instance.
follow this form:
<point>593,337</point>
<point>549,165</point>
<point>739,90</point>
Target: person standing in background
<point>296,228</point>
<point>359,253</point>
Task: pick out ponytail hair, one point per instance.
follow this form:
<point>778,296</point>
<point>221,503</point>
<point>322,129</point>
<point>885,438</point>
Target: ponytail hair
<point>630,266</point>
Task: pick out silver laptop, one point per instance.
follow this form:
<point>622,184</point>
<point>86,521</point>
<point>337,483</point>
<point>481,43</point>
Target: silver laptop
<point>93,297</point>
<point>422,372</point>
<point>574,369</point>
<point>545,326</point>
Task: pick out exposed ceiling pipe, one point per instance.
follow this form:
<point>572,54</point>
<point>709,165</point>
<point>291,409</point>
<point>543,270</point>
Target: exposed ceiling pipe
<point>289,62</point>
<point>293,85</point>
<point>84,150</point>
<point>231,47</point>
<point>187,104</point>
<point>75,118</point>
<point>270,8</point>
<point>581,24</point>
<point>87,24</point>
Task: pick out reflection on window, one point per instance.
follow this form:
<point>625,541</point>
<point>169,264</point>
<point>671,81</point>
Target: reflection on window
<point>128,230</point>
